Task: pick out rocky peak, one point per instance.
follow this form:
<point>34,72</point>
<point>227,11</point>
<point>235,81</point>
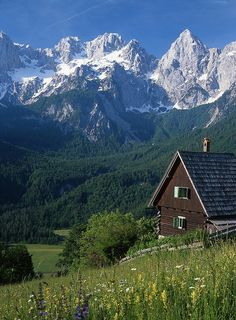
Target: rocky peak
<point>186,35</point>
<point>103,45</point>
<point>227,66</point>
<point>186,53</point>
<point>67,48</point>
<point>180,68</point>
<point>140,61</point>
<point>9,57</point>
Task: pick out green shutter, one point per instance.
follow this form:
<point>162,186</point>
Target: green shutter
<point>175,222</point>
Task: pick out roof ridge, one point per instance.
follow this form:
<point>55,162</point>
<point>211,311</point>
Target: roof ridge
<point>208,153</point>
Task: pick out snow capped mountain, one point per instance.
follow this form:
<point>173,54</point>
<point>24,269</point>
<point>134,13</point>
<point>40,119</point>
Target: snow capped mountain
<point>192,74</point>
<point>103,45</point>
<point>67,48</point>
<point>123,77</point>
<point>226,66</point>
<point>180,68</point>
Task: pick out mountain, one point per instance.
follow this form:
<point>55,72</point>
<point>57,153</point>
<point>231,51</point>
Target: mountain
<point>107,87</point>
<point>192,74</point>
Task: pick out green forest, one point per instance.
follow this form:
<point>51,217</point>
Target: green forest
<point>47,188</point>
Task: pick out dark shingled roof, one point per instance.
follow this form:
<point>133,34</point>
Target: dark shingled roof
<point>214,177</point>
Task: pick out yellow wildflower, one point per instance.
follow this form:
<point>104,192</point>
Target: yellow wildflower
<point>154,289</point>
<point>164,298</point>
<point>194,296</point>
<point>137,299</point>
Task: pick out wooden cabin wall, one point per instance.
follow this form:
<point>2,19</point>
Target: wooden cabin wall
<point>195,220</point>
<point>171,207</point>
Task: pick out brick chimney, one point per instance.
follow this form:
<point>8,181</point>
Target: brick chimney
<point>206,145</point>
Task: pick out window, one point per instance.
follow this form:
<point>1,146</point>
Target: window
<point>181,192</point>
<point>179,222</point>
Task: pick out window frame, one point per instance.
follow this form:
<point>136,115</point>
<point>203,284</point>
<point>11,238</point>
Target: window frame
<point>176,192</point>
<point>180,222</point>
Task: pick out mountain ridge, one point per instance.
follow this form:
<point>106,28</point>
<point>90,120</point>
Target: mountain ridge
<point>124,79</point>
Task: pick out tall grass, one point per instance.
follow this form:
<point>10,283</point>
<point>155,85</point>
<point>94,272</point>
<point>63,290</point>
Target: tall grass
<point>187,284</point>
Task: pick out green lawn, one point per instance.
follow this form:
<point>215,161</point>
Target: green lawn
<point>44,256</point>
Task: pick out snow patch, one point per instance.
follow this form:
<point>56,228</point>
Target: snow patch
<point>232,53</point>
<point>154,76</point>
<point>176,106</point>
<point>203,77</point>
<point>213,99</point>
<point>30,73</point>
<point>69,68</point>
<point>213,118</point>
<point>148,108</point>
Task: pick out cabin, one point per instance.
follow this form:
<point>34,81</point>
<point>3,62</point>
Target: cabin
<point>197,191</point>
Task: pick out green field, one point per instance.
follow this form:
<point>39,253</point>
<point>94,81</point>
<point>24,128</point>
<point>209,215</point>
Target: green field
<point>44,256</point>
<point>176,285</point>
<point>62,232</point>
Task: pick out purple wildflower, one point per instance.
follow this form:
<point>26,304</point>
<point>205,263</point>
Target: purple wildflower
<point>82,312</point>
<point>41,303</point>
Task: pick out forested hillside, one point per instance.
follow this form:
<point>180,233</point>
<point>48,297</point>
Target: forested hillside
<point>42,190</point>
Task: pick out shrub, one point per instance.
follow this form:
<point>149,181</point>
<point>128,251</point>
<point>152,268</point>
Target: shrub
<point>15,264</point>
<point>71,251</point>
<point>107,238</point>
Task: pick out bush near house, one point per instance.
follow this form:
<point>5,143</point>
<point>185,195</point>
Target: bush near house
<point>105,239</point>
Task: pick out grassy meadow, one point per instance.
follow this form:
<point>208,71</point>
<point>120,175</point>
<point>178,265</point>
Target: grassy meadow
<point>62,232</point>
<point>44,256</point>
<point>186,284</point>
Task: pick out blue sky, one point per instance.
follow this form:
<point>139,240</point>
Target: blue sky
<point>155,23</point>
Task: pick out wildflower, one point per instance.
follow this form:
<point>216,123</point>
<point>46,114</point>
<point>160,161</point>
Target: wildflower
<point>133,269</point>
<point>127,289</point>
<point>154,288</point>
<point>140,277</point>
<point>179,266</point>
<point>164,298</point>
<point>82,312</point>
<point>193,297</point>
<point>191,287</point>
<point>116,317</point>
<point>137,299</point>
<point>41,303</point>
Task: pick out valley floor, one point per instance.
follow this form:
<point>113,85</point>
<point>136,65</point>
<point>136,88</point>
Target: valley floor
<point>44,257</point>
